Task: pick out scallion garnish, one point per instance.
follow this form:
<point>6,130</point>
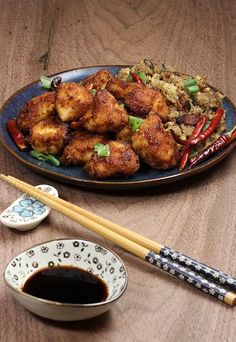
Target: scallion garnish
<point>47,158</point>
<point>94,92</point>
<point>207,124</point>
<point>45,82</point>
<point>191,86</point>
<point>122,105</point>
<point>141,75</point>
<point>190,82</point>
<point>135,122</point>
<point>130,78</point>
<point>102,150</point>
<point>193,89</point>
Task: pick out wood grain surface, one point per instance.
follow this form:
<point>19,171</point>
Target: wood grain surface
<point>196,217</point>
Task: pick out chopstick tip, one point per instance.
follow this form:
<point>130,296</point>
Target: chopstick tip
<point>230,298</point>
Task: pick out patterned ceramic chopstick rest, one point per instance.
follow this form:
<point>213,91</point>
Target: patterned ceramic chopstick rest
<point>188,276</point>
<point>26,212</point>
<point>206,271</point>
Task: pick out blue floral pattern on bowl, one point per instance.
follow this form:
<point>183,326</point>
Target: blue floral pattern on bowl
<point>29,207</point>
<point>27,212</point>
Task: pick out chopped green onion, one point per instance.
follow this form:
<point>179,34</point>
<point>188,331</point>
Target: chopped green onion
<point>94,92</point>
<point>189,83</point>
<point>135,122</point>
<point>122,105</point>
<point>141,75</point>
<point>191,86</point>
<point>45,82</point>
<point>130,78</point>
<point>47,158</point>
<point>102,150</point>
<point>193,89</point>
<point>207,124</point>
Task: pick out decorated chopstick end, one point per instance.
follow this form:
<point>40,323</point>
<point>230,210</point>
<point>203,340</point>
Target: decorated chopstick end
<point>206,271</point>
<point>191,278</point>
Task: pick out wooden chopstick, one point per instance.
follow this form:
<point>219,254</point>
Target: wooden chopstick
<point>141,240</point>
<point>161,262</point>
<point>186,261</point>
<point>50,201</point>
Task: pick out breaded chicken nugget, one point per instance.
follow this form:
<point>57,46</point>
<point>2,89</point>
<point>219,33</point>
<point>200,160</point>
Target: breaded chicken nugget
<point>72,101</point>
<point>120,89</point>
<point>49,136</point>
<point>139,98</point>
<point>107,116</point>
<point>155,146</point>
<point>81,147</point>
<point>121,162</point>
<point>37,109</point>
<point>97,81</point>
<point>125,134</point>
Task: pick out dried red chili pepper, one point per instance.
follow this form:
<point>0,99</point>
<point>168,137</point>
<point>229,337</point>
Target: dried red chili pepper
<point>16,134</point>
<point>184,157</point>
<point>213,125</point>
<point>187,150</point>
<point>136,78</point>
<point>198,128</point>
<point>216,146</point>
<point>177,138</point>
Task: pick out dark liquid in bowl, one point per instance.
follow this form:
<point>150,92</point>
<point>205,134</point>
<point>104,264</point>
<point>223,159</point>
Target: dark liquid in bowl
<point>66,284</point>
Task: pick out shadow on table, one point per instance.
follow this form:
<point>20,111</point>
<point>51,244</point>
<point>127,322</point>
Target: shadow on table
<point>95,324</point>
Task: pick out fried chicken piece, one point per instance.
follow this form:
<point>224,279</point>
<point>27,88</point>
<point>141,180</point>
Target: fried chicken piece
<point>125,134</point>
<point>97,81</point>
<point>155,146</point>
<point>49,136</point>
<point>107,116</point>
<point>38,108</point>
<point>72,101</point>
<point>139,98</point>
<point>81,147</point>
<point>120,89</point>
<point>121,162</point>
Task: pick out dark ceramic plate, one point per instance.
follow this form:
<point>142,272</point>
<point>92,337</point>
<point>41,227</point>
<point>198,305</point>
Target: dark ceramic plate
<point>145,177</point>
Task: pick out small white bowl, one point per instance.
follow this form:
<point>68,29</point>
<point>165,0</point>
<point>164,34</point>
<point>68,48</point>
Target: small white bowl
<point>26,212</point>
<point>67,252</point>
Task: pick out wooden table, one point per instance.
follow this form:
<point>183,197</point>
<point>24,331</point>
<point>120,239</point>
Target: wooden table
<point>196,217</point>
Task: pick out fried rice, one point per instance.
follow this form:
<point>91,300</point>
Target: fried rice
<point>181,104</point>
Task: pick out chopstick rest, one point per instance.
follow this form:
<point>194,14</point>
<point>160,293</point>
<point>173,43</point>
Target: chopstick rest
<point>190,277</point>
<point>206,271</point>
<point>26,212</point>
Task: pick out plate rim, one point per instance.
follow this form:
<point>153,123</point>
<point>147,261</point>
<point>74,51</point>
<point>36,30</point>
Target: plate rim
<point>109,184</point>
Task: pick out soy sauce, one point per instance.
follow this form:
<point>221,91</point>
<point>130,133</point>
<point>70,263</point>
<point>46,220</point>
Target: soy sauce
<point>66,284</point>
